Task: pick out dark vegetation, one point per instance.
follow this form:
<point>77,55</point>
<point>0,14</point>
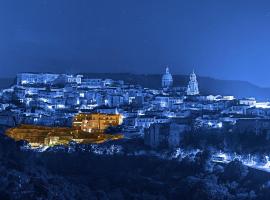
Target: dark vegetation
<point>240,142</point>
<point>83,175</point>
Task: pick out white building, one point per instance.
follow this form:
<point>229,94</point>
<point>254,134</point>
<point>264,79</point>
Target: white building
<point>74,79</point>
<point>145,121</point>
<point>92,83</point>
<point>35,78</point>
<point>248,101</point>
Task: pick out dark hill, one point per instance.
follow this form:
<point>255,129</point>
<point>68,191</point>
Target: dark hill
<point>6,82</point>
<point>206,85</point>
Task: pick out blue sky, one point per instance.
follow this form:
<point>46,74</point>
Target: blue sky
<point>226,39</point>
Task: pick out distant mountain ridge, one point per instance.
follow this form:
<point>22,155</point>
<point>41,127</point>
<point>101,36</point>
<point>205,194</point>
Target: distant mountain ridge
<point>207,85</point>
<point>6,82</point>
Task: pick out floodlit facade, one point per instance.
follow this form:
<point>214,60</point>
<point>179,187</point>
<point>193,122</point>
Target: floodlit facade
<point>33,78</point>
<point>74,79</point>
<point>39,136</point>
<point>96,122</point>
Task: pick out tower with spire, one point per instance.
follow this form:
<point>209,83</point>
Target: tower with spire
<point>167,80</point>
<point>192,88</point>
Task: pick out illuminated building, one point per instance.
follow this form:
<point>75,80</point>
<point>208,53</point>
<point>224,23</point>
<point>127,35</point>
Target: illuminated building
<point>34,78</point>
<point>96,122</point>
<point>38,136</point>
<point>167,80</point>
<point>74,79</point>
<point>114,100</point>
<point>92,83</point>
<point>248,101</point>
<point>193,88</point>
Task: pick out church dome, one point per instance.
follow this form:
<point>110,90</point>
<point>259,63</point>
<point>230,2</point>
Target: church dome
<point>192,88</point>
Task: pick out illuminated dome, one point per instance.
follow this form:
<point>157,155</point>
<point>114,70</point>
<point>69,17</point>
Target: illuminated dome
<point>167,80</point>
<point>192,88</point>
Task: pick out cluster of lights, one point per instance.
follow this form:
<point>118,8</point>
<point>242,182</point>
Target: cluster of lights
<point>262,105</point>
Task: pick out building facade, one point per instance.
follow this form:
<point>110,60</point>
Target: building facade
<point>33,78</point>
<point>160,135</point>
<point>96,122</point>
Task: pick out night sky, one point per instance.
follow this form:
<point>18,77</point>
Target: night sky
<point>227,39</point>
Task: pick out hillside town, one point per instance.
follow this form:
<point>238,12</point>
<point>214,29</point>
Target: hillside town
<point>160,116</point>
